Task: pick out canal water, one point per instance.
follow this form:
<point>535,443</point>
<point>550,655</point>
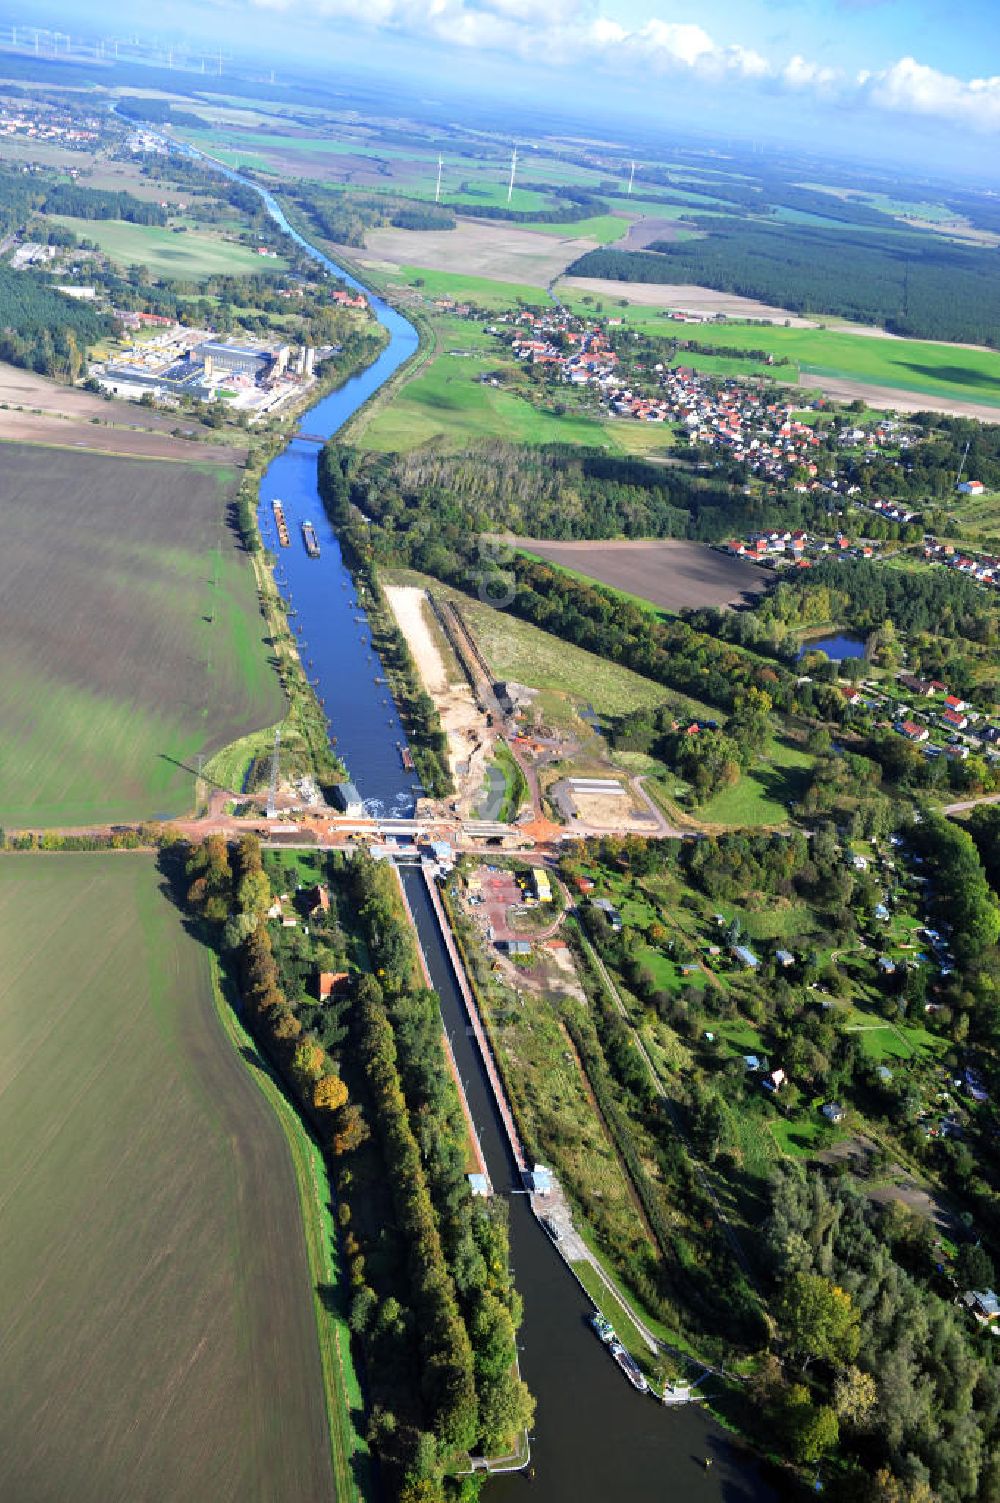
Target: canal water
<point>594,1437</point>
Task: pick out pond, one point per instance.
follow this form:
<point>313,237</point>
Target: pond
<point>837,647</point>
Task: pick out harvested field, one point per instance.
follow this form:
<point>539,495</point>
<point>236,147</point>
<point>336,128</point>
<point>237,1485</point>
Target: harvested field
<point>498,251</point>
<point>159,1340</point>
<point>93,438</point>
<point>671,573</point>
<point>643,232</point>
<point>879,397</point>
<point>33,393</point>
<point>130,634</point>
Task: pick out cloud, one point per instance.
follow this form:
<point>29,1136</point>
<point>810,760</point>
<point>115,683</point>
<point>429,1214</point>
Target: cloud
<point>578,31</point>
<point>912,88</point>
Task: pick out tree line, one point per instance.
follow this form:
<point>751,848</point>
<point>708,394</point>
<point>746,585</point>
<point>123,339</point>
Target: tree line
<point>432,1303</point>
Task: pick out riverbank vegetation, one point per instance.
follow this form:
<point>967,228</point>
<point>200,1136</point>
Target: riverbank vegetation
<point>341,1011</point>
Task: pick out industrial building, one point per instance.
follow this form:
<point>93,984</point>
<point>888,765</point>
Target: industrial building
<point>222,359</point>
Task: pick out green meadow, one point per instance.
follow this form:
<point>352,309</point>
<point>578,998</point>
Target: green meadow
<point>448,402</point>
<point>188,255</point>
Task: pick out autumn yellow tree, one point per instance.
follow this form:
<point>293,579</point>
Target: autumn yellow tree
<point>329,1093</point>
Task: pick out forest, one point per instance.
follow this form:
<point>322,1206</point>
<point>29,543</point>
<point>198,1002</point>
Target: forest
<point>563,491</point>
<point>910,283</point>
<point>42,330</point>
<point>343,216</point>
<point>98,203</point>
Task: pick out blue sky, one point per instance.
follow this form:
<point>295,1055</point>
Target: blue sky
<point>913,80</point>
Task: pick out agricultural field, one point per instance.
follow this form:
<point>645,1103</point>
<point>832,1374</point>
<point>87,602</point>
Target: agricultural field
<point>485,292</point>
<point>182,255</point>
<point>496,250</point>
<point>159,1334</point>
<point>131,635</point>
<point>672,574</point>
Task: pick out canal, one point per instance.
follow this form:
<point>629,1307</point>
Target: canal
<point>594,1437</point>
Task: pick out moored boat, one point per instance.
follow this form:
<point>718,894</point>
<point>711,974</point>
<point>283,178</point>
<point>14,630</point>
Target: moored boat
<point>629,1366</point>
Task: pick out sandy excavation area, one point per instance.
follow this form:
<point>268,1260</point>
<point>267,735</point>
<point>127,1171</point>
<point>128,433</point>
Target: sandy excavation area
<point>470,740</point>
<point>476,248</point>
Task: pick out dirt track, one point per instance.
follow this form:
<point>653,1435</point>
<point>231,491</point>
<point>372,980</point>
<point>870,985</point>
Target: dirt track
<point>671,572</point>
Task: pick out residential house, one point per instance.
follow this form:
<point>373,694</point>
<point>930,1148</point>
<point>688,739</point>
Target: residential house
<point>774,1081</point>
<point>328,982</point>
<point>833,1112</point>
<point>316,899</point>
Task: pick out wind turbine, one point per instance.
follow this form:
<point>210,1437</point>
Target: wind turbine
<point>437,190</point>
<point>513,170</point>
<point>631,179</point>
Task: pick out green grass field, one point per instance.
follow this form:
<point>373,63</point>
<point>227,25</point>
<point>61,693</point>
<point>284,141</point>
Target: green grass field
<point>131,636</point>
<point>157,1307</point>
<point>483,291</point>
<point>448,402</point>
<point>517,650</point>
<point>191,255</point>
<point>604,228</point>
<point>761,796</point>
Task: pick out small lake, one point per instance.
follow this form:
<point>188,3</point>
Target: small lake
<point>837,647</point>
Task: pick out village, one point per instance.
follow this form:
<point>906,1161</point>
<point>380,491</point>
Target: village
<point>745,422</point>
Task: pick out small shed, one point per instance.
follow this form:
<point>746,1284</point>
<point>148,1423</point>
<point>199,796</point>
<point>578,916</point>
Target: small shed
<point>833,1112</point>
